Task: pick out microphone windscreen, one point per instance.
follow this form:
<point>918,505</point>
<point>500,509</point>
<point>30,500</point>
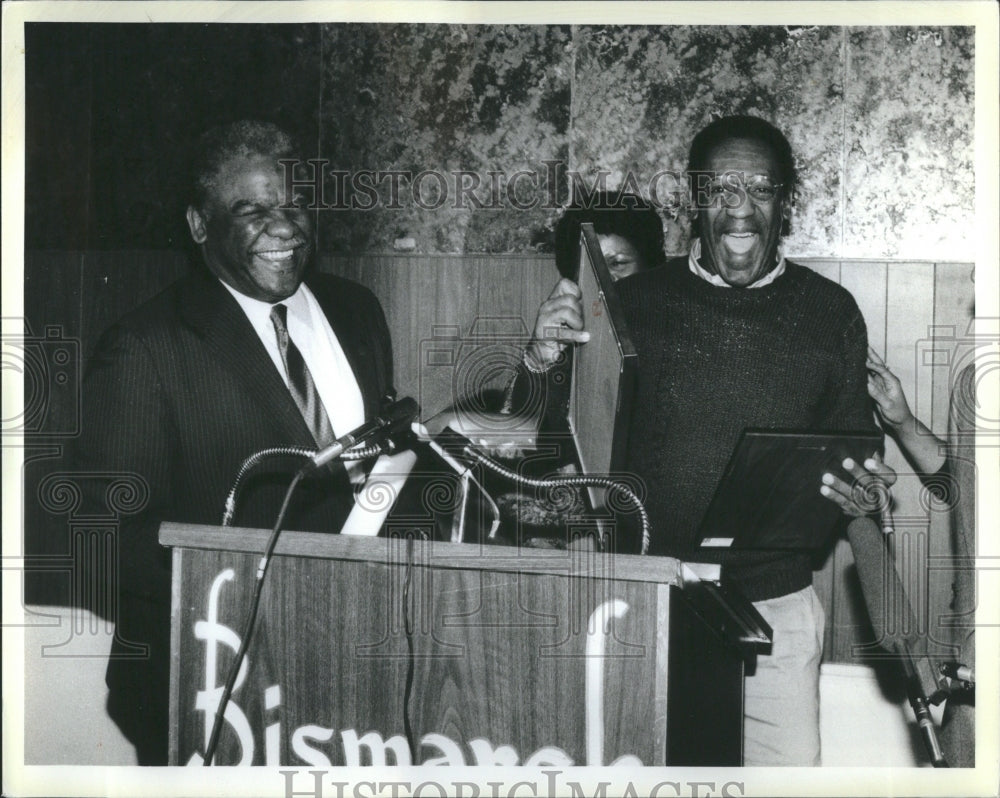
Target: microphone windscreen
<point>402,413</point>
<point>888,608</point>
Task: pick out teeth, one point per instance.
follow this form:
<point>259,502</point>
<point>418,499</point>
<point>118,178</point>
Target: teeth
<point>276,254</point>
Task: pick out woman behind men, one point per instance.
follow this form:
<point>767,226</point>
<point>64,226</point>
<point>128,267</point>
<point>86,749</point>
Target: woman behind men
<point>630,234</point>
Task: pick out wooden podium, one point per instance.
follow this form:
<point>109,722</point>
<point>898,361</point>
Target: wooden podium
<point>391,651</point>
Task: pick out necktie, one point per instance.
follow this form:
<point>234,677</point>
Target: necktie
<point>300,381</point>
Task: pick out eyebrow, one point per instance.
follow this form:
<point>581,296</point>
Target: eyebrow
<point>248,204</point>
<point>742,173</point>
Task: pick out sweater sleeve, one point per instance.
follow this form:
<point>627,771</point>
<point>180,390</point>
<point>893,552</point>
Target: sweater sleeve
<point>850,407</point>
<point>523,383</point>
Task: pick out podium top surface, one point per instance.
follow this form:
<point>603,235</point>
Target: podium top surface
<point>435,554</point>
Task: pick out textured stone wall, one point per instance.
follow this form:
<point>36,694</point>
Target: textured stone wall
<point>881,120</point>
<point>443,99</point>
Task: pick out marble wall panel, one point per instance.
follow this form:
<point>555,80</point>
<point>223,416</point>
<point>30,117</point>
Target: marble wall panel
<point>909,144</point>
<point>446,98</point>
<point>876,116</point>
<point>641,94</point>
<point>881,119</point>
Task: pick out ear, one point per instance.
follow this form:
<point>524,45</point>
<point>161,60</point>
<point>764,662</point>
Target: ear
<point>196,223</point>
<point>787,199</point>
<point>786,216</point>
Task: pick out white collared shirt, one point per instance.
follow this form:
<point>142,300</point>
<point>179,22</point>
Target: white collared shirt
<point>694,256</point>
<point>330,369</point>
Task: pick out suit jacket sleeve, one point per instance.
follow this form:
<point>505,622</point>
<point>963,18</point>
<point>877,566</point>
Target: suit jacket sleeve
<point>546,393</point>
<point>126,436</point>
<point>383,343</point>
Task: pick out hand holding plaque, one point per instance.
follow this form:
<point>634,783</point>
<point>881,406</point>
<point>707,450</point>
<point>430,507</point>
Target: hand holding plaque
<point>559,321</point>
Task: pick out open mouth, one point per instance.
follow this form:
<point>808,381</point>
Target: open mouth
<point>739,243</point>
<point>276,255</point>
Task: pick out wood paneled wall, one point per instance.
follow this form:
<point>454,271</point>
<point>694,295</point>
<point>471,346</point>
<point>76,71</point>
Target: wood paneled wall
<point>458,323</point>
<point>445,310</point>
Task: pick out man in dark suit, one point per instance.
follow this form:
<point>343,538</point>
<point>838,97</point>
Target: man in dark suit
<point>246,354</point>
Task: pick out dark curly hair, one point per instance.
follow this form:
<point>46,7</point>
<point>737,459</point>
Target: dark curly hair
<point>750,128</point>
<point>611,213</point>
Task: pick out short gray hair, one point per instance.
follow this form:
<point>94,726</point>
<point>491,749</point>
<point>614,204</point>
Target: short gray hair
<point>243,139</point>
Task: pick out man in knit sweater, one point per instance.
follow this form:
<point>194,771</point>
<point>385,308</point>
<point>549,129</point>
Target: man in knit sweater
<point>729,337</point>
<point>733,336</point>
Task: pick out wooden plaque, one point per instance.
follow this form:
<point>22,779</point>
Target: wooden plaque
<point>603,370</point>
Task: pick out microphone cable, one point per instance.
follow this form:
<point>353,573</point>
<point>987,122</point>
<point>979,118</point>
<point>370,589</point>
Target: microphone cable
<point>357,453</point>
<point>265,561</point>
<point>466,476</point>
<point>411,657</point>
<point>883,592</point>
<point>569,481</point>
<point>248,625</point>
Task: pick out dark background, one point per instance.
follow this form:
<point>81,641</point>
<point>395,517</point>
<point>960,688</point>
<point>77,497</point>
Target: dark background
<point>111,112</point>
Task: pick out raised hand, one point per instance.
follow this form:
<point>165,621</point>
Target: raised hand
<point>559,322</point>
<point>887,391</point>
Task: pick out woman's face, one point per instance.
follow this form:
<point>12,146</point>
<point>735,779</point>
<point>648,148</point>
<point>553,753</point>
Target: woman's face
<point>621,255</point>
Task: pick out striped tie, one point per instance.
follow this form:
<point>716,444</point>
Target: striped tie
<point>300,381</point>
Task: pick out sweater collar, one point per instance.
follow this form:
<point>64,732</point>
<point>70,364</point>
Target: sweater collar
<point>694,258</point>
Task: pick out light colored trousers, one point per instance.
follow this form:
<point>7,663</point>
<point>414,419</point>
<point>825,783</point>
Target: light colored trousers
<point>781,703</point>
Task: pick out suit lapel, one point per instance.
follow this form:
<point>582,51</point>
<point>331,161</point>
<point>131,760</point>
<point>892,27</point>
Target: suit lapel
<point>230,338</point>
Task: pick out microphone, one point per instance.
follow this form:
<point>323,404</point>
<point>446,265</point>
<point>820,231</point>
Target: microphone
<point>963,674</point>
<point>882,588</point>
<point>394,418</point>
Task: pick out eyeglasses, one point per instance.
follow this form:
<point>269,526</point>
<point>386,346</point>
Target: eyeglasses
<point>732,188</point>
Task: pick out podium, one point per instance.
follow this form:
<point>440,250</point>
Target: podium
<point>396,651</point>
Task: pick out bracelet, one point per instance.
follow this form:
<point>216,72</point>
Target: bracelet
<point>530,365</point>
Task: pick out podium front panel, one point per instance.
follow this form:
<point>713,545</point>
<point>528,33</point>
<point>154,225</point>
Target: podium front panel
<point>427,654</point>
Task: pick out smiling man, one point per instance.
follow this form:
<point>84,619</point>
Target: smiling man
<point>249,352</point>
<point>742,211</point>
<point>733,336</point>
